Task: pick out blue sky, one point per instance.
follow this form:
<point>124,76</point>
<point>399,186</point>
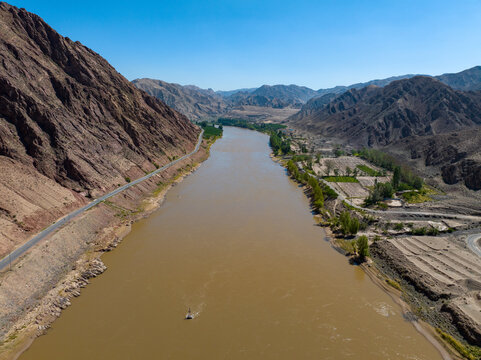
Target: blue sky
<point>246,43</point>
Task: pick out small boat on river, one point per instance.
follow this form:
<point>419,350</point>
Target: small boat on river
<point>189,315</point>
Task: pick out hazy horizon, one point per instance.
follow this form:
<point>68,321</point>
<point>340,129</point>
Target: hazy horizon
<point>231,45</point>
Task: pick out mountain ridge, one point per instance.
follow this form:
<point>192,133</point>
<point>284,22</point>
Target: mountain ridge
<point>71,126</point>
<point>217,103</point>
<point>375,116</point>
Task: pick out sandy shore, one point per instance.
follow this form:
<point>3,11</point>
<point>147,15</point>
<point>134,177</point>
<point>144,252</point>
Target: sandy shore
<point>42,282</point>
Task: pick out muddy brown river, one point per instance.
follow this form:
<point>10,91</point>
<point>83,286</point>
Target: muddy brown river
<point>237,243</point>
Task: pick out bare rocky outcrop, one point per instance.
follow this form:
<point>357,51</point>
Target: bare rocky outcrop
<point>454,156</point>
<point>471,330</point>
<point>468,171</point>
<point>70,121</point>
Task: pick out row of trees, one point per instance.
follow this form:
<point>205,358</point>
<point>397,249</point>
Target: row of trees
<point>348,224</point>
<point>262,127</point>
<point>279,143</point>
<point>316,193</point>
<point>293,170</point>
<point>319,191</point>
<point>403,178</point>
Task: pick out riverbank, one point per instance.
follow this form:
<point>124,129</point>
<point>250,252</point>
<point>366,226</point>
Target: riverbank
<point>379,277</point>
<point>230,241</point>
<point>43,281</point>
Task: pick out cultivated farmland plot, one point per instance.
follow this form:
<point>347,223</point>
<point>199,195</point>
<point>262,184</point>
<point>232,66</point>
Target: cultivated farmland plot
<point>367,181</point>
<point>353,191</point>
<point>341,164</point>
<point>356,192</point>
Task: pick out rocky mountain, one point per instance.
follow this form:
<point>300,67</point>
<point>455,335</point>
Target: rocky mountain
<point>197,103</point>
<point>453,156</point>
<point>420,119</point>
<point>375,116</point>
<point>469,79</point>
<point>190,100</point>
<point>70,125</point>
<point>276,96</point>
<point>378,82</point>
<point>226,94</point>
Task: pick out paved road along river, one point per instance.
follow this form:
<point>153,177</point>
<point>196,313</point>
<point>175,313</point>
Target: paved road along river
<point>236,242</point>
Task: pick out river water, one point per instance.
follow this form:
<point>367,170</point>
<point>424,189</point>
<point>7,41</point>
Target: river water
<point>237,243</point>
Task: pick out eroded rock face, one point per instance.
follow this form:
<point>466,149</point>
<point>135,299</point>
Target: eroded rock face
<point>468,171</point>
<point>466,326</point>
<point>66,112</point>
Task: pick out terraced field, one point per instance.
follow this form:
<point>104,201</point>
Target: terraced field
<point>341,164</point>
<point>447,270</point>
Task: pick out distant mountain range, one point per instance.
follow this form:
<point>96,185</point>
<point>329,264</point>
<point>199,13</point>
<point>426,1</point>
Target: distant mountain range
<point>199,103</point>
<point>193,102</point>
<point>377,116</point>
<point>466,80</point>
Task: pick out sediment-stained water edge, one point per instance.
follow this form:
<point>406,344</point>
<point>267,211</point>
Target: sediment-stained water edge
<point>236,243</point>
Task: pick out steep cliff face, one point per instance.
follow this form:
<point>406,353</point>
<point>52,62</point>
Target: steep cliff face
<point>67,117</point>
<point>454,156</point>
<point>67,112</point>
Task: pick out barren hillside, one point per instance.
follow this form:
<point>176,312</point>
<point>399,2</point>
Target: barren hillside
<point>70,126</point>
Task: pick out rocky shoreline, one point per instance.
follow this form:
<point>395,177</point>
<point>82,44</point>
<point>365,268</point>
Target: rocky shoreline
<point>38,287</point>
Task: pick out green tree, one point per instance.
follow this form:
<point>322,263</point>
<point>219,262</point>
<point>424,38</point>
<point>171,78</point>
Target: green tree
<point>354,226</point>
<point>418,183</point>
<point>362,245</point>
<point>345,220</point>
<point>396,177</point>
<point>292,169</point>
<point>348,171</point>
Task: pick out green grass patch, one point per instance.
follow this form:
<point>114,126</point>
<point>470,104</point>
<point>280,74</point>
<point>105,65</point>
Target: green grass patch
<point>394,284</point>
<point>369,171</point>
<point>457,345</point>
<point>415,197</point>
<point>419,231</point>
<point>398,226</point>
<point>349,246</point>
<point>346,179</point>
